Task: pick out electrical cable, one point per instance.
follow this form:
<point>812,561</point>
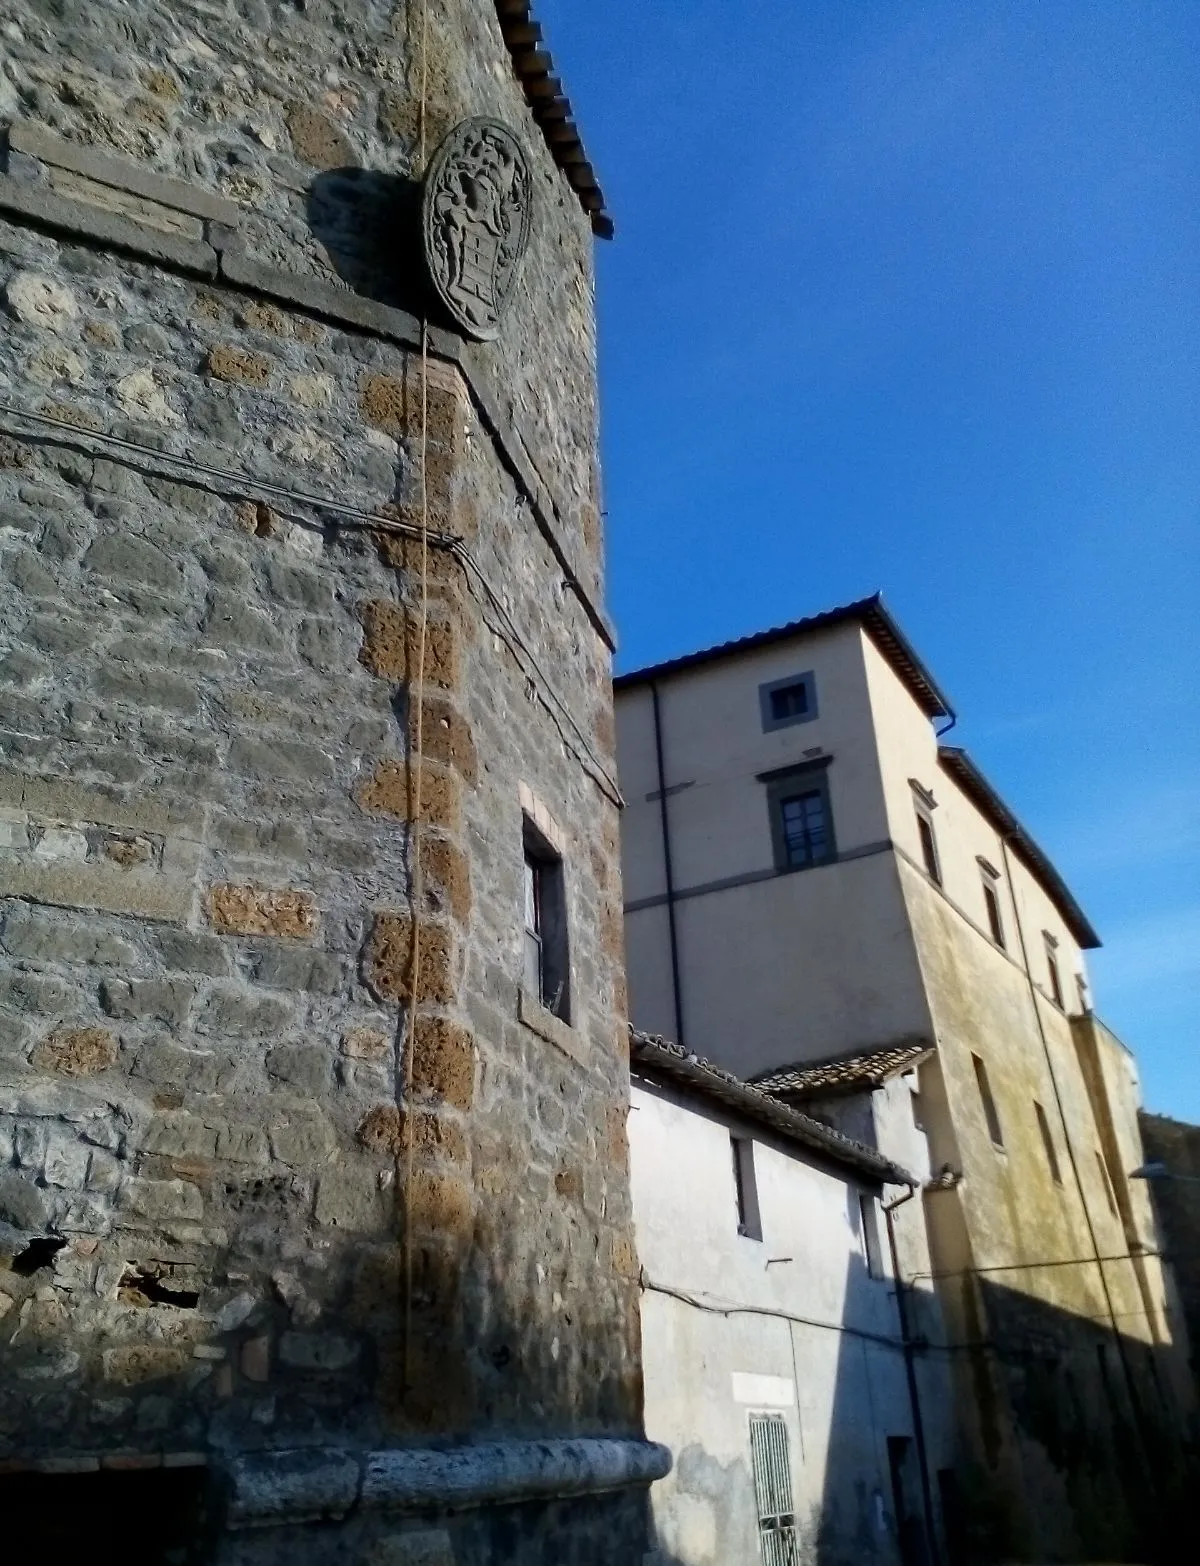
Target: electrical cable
<point>230,485</point>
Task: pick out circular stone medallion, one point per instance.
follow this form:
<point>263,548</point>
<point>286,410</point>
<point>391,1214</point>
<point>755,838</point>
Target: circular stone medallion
<point>475,210</point>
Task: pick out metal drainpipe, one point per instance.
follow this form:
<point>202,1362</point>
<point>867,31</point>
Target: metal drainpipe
<point>676,987</point>
<point>910,1373</point>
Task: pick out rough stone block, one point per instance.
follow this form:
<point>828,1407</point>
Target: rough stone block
<point>137,1362</point>
<point>446,874</point>
<point>152,1000</point>
<point>441,1204</point>
<point>323,1351</point>
<point>38,935</point>
<point>242,1014</point>
<point>254,910</point>
<point>349,1199</point>
<point>445,737</point>
<point>300,968</point>
<point>228,363</point>
<point>386,793</point>
<point>388,960</point>
<point>316,140</point>
<point>444,1061</point>
<point>162,1201</point>
<point>189,952</point>
<point>391,645</point>
<point>76,1052</point>
<point>303,1066</point>
<point>366,1044</point>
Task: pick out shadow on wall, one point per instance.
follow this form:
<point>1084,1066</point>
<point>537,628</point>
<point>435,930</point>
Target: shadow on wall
<point>1080,1450</point>
<point>368,224</point>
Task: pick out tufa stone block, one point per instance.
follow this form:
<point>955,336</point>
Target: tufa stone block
<point>386,793</point>
<point>76,1052</point>
<point>388,960</point>
<point>391,645</point>
<point>444,1061</point>
<point>253,910</point>
<point>225,363</point>
<point>446,876</point>
<point>445,736</point>
<point>316,140</point>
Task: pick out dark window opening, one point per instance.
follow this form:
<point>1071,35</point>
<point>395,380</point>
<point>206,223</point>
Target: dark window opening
<point>745,1187</point>
<point>988,1102</point>
<point>929,851</point>
<point>1048,1142</point>
<point>789,701</point>
<point>783,702</point>
<point>1056,989</point>
<point>992,903</point>
<point>547,968</point>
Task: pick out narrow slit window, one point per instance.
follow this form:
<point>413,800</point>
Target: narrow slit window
<point>745,1187</point>
<point>868,1218</point>
<point>929,852</point>
<point>988,1102</point>
<point>1106,1181</point>
<point>991,902</point>
<point>546,964</point>
<point>1056,989</point>
<point>1048,1142</point>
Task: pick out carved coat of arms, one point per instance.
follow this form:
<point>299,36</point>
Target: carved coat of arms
<point>475,212</point>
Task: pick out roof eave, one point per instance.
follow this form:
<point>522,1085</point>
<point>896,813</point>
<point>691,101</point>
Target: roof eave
<point>871,613</point>
<point>551,108</point>
<point>660,1060</point>
<point>957,762</point>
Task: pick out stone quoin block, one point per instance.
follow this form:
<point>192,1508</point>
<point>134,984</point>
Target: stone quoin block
<point>391,645</point>
<point>390,791</point>
<point>388,960</point>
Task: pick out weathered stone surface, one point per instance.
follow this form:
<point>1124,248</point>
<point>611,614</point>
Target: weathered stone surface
<point>205,790</point>
<point>252,910</point>
<point>38,300</point>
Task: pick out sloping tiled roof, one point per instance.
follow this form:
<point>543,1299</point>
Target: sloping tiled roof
<point>871,613</point>
<point>846,1074</point>
<point>657,1057</point>
<point>959,765</point>
<point>551,107</point>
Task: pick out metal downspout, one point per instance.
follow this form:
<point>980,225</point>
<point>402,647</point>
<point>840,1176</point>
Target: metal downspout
<point>676,987</point>
<point>910,1373</point>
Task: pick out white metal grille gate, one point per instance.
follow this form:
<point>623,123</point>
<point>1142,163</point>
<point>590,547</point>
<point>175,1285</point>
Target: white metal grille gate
<point>770,1460</point>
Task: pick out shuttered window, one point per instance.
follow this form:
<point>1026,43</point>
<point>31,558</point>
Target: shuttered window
<point>771,1462</point>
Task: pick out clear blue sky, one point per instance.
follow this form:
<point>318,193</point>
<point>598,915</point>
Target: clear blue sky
<point>907,296</point>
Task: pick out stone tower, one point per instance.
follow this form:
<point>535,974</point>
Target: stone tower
<point>313,1194</point>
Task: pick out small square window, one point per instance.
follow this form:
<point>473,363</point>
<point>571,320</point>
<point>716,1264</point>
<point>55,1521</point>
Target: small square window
<point>745,1186</point>
<point>801,819</point>
<point>547,968</point>
<point>784,702</point>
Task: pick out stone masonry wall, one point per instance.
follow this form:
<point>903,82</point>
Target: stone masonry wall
<point>207,711</point>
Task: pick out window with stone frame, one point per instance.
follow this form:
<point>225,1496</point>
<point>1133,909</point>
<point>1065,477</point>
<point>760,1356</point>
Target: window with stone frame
<point>801,815</point>
<point>547,964</point>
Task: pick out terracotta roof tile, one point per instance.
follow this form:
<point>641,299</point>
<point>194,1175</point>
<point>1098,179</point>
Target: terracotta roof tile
<point>659,1057</point>
<point>845,1074</point>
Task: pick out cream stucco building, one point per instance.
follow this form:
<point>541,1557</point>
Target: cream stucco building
<point>812,873</point>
